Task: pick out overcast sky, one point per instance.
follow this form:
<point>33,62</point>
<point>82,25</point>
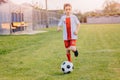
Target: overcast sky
<point>82,5</point>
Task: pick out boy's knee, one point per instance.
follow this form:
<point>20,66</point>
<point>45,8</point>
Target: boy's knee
<point>73,48</point>
<point>68,49</point>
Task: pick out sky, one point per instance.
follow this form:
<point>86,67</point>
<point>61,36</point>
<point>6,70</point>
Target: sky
<point>77,5</point>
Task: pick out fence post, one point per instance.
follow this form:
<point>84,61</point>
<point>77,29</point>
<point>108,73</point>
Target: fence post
<point>10,15</point>
<point>46,14</point>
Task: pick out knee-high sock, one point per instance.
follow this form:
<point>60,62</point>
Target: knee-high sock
<point>69,57</point>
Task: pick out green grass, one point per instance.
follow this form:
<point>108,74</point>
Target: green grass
<point>39,56</point>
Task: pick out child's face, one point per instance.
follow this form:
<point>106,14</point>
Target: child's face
<point>68,10</point>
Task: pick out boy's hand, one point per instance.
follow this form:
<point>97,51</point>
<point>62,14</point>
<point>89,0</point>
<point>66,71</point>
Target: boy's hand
<point>58,29</point>
<point>76,32</point>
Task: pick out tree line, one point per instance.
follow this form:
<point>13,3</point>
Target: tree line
<point>3,1</point>
<point>110,8</point>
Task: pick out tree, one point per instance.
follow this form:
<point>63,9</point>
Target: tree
<point>2,1</point>
<point>79,15</point>
<point>111,8</point>
<point>36,4</point>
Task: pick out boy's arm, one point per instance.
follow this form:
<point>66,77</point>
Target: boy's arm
<point>78,26</point>
<point>77,29</point>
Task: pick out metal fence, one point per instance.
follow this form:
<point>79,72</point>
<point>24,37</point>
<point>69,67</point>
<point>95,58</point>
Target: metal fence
<point>41,18</point>
<point>36,18</point>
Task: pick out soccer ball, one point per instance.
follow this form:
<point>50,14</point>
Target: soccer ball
<point>67,67</point>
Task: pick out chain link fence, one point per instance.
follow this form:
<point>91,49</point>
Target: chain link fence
<point>35,18</point>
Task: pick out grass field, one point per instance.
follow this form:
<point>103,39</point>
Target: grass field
<point>39,56</point>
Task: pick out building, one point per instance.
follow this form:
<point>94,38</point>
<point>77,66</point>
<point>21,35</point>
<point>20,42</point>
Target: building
<point>104,20</point>
<point>24,17</point>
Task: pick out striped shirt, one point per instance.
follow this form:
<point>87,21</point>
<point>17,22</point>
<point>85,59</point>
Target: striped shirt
<point>69,25</point>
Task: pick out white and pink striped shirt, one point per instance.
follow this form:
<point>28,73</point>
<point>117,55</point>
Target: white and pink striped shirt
<point>69,25</point>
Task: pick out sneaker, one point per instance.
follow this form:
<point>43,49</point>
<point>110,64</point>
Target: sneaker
<point>76,53</point>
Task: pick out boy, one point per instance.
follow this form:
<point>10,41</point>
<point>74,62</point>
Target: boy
<point>71,27</point>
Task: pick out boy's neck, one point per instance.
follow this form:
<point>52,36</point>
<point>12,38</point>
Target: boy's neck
<point>68,15</point>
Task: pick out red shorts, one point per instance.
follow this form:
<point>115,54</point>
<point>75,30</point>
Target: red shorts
<point>69,43</point>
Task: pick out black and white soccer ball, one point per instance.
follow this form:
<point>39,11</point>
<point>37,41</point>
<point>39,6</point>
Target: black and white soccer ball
<point>67,67</point>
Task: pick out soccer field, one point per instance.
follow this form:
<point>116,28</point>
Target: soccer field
<point>39,56</point>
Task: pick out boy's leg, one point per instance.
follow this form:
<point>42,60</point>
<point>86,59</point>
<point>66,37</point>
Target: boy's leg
<point>68,55</point>
<point>76,53</point>
<point>73,47</point>
<point>67,45</point>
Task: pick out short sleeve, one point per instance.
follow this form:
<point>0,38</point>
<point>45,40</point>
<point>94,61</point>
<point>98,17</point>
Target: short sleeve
<point>60,22</point>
